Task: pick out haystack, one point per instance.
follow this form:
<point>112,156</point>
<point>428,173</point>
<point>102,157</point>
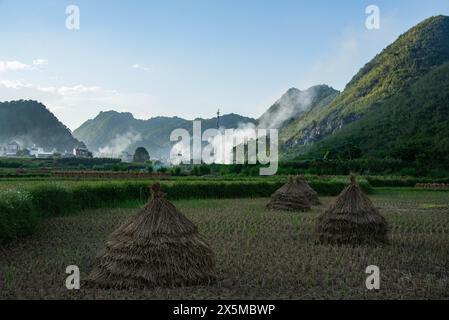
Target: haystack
<point>159,247</point>
<point>289,197</point>
<point>352,219</point>
<point>311,194</point>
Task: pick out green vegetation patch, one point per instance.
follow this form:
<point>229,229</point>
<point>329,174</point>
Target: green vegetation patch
<point>40,199</point>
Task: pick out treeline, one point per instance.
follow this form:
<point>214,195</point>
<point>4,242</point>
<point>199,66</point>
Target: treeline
<point>363,166</point>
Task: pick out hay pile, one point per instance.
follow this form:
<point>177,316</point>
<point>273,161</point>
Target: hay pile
<point>311,194</point>
<point>159,247</point>
<point>352,219</point>
<point>289,197</point>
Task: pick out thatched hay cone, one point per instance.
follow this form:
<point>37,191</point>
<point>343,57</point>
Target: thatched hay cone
<point>289,197</point>
<point>159,247</point>
<point>311,194</point>
<point>352,219</point>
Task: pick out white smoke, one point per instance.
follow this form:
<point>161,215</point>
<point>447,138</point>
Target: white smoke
<point>290,105</point>
<point>24,141</point>
<point>224,145</point>
<point>119,144</point>
<point>218,148</point>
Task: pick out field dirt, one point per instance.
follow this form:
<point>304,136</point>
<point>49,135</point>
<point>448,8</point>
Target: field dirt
<point>260,254</point>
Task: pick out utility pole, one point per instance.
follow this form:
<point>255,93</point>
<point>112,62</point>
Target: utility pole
<point>218,119</point>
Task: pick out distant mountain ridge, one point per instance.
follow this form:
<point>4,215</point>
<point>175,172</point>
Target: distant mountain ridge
<point>29,122</point>
<point>112,132</point>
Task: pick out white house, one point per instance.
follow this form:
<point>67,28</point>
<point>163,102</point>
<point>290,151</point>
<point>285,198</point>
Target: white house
<point>39,152</point>
<point>11,149</point>
<point>81,152</point>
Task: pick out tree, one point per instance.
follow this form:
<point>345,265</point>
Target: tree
<point>141,155</point>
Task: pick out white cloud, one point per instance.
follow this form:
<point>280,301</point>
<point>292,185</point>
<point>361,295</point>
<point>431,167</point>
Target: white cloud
<point>19,66</point>
<point>13,84</point>
<point>62,91</point>
<point>13,66</point>
<point>40,62</point>
<point>140,67</point>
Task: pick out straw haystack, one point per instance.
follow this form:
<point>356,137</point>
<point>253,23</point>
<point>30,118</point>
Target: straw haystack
<point>352,219</point>
<point>159,247</point>
<point>311,194</point>
<point>290,197</point>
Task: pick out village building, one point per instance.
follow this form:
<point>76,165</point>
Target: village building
<point>39,152</point>
<point>81,152</point>
<point>12,149</point>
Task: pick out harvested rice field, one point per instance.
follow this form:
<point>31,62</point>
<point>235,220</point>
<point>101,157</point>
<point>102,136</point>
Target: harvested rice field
<point>260,254</point>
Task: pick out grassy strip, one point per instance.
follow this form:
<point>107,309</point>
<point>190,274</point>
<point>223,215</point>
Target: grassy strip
<point>393,181</point>
<point>20,210</point>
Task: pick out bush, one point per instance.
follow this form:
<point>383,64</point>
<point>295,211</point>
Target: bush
<point>18,217</point>
<point>52,200</point>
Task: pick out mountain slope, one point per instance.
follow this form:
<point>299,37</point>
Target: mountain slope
<point>402,63</point>
<point>112,132</point>
<point>293,104</point>
<point>412,126</point>
<point>30,122</point>
<point>323,96</point>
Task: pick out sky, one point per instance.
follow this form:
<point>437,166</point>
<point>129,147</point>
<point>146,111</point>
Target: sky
<point>188,58</point>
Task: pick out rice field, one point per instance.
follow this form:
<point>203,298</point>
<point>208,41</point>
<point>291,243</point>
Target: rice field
<point>260,254</point>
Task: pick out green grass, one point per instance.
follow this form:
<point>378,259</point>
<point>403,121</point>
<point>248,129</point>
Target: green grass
<point>260,254</point>
<point>18,216</point>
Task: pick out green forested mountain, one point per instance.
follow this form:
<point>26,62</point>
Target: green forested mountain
<point>411,126</point>
<point>30,122</point>
<point>414,54</point>
<point>112,132</point>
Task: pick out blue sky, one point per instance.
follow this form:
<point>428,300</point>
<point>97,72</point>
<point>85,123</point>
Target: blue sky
<point>188,57</point>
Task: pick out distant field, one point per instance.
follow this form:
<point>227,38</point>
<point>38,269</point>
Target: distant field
<point>260,254</point>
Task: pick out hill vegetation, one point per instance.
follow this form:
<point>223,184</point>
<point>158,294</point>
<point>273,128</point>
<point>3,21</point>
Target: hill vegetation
<point>29,122</point>
<point>409,58</point>
<point>412,126</point>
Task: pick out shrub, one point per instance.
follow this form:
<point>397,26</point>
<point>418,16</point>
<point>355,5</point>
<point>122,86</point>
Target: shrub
<point>18,217</point>
<point>52,200</point>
